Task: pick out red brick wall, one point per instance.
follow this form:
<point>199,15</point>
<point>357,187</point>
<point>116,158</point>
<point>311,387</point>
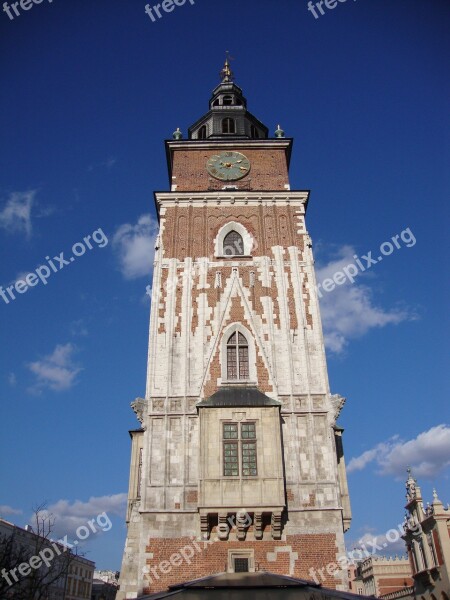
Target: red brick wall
<point>268,169</point>
<point>190,232</point>
<point>392,584</point>
<point>314,551</point>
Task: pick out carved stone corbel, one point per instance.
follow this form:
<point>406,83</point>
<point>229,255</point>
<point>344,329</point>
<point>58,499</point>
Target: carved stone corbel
<point>337,403</point>
<point>257,525</point>
<point>276,525</point>
<point>241,526</point>
<point>223,528</point>
<point>139,406</point>
<point>204,526</point>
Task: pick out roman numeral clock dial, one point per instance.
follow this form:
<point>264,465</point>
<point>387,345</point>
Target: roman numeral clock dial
<point>228,166</point>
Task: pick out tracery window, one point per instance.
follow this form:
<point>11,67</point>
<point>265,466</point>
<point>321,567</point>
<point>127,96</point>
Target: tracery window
<point>237,357</point>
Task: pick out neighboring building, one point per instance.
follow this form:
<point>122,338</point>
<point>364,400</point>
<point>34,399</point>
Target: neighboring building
<point>102,590</point>
<point>105,585</point>
<point>383,575</point>
<point>239,460</point>
<point>355,583</point>
<point>76,572</point>
<point>107,576</point>
<point>427,537</point>
<point>80,579</point>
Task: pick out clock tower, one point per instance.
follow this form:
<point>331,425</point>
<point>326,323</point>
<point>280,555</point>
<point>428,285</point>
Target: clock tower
<point>237,464</point>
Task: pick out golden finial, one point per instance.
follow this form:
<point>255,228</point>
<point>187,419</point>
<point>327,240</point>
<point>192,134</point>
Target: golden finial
<point>226,74</point>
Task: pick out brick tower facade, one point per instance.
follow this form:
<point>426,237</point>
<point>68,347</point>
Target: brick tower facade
<point>238,464</point>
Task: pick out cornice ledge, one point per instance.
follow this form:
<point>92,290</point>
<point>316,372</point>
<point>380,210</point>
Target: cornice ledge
<point>222,196</point>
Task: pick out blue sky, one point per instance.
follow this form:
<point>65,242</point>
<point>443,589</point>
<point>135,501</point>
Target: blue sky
<point>89,92</point>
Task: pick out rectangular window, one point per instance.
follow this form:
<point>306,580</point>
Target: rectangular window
<point>248,431</point>
<point>249,458</point>
<point>231,459</point>
<point>239,450</point>
<point>241,565</point>
<point>241,561</point>
<point>230,431</point>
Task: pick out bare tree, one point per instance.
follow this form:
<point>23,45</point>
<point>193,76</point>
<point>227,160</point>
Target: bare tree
<point>12,553</point>
<point>45,563</point>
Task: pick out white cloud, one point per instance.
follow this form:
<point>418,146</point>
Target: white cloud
<point>57,370</point>
<point>12,379</point>
<point>383,544</point>
<point>79,328</point>
<point>107,164</point>
<point>427,454</point>
<point>135,247</point>
<point>15,216</point>
<point>348,311</point>
<point>360,462</point>
<point>9,510</point>
<point>69,516</point>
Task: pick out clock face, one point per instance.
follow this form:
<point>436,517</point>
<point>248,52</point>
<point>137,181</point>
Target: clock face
<point>228,166</point>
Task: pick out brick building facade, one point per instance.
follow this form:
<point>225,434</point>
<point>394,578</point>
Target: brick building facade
<point>382,575</point>
<point>238,463</point>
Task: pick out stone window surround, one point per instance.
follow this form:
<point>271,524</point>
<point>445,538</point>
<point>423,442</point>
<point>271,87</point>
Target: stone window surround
<point>249,242</point>
<point>238,327</point>
<point>233,554</point>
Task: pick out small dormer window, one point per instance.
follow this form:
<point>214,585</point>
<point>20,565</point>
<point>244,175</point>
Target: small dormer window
<point>254,133</point>
<point>202,133</point>
<point>227,100</point>
<point>228,125</point>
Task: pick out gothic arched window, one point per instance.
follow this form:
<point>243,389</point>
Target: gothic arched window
<point>233,244</point>
<point>237,357</point>
<point>202,133</point>
<point>228,125</point>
